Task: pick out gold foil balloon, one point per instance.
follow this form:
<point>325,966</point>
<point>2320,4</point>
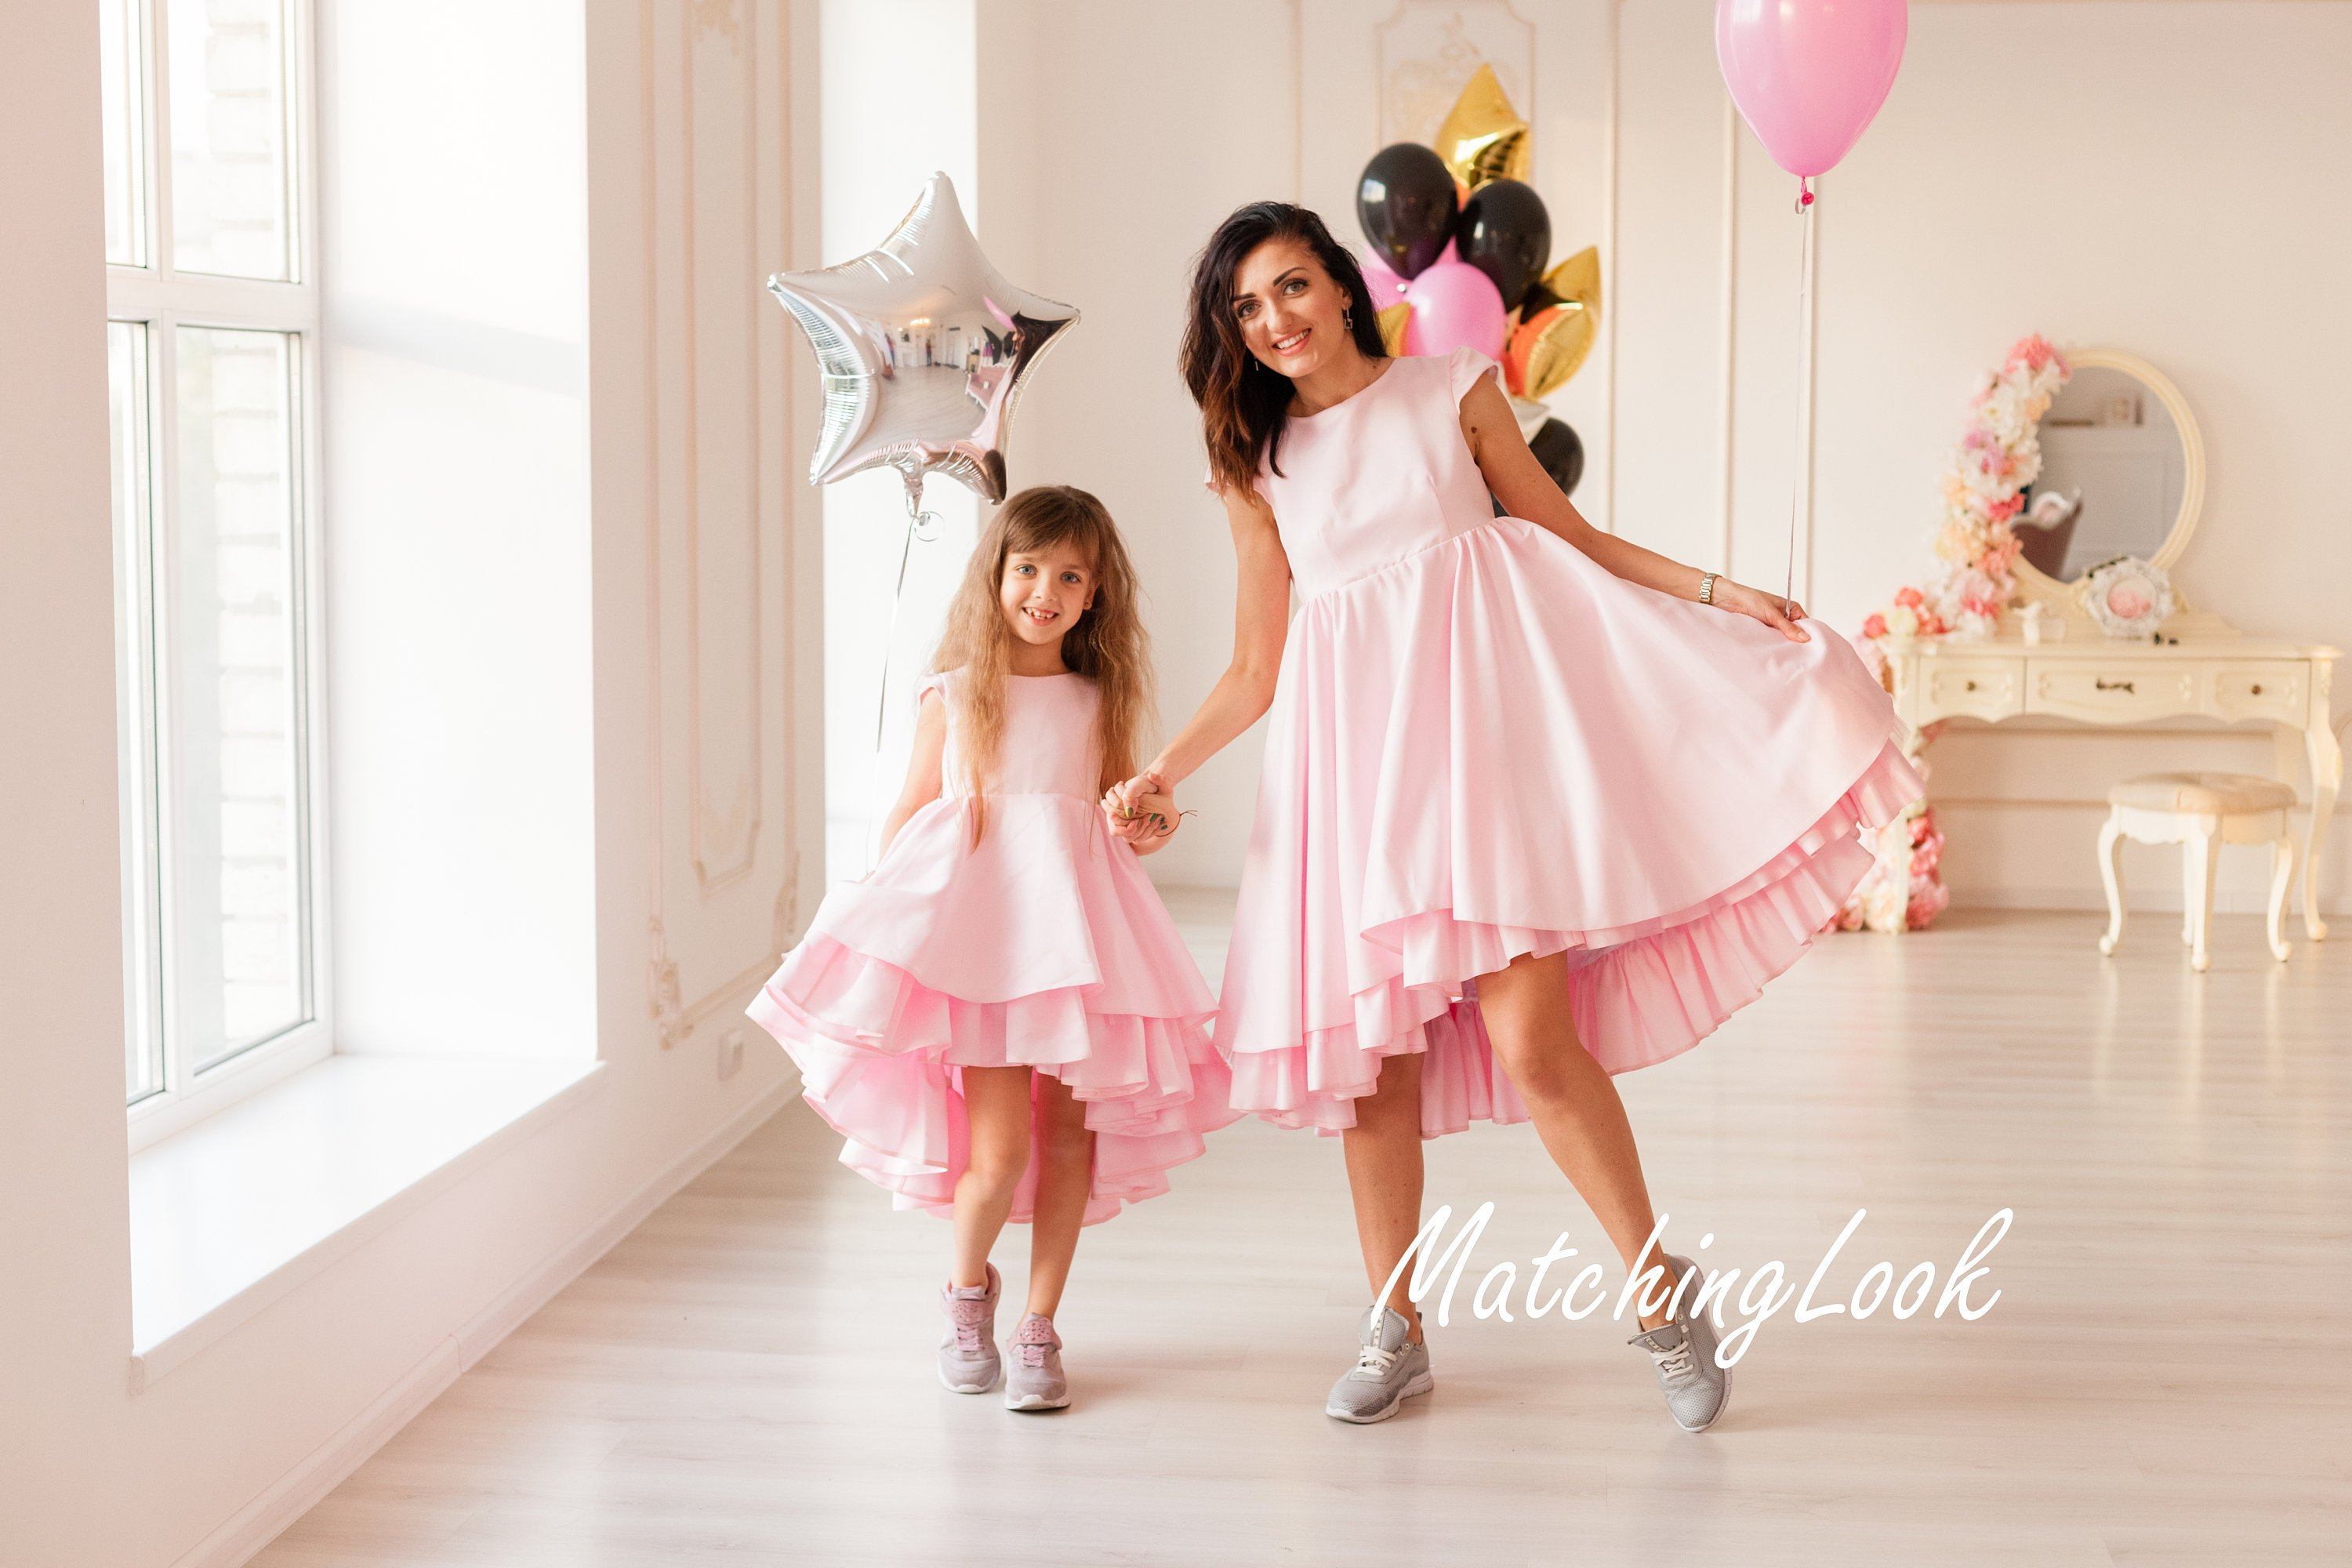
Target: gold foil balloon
<point>1483,138</point>
<point>924,347</point>
<point>1392,324</point>
<point>1557,327</point>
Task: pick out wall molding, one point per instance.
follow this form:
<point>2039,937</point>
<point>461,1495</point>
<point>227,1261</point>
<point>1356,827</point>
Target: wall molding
<point>723,850</point>
<point>294,1494</point>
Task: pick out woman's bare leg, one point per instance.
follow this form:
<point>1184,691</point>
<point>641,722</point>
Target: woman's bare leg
<point>1575,1105</point>
<point>1066,1174</point>
<point>996,1118</point>
<point>1384,1175</point>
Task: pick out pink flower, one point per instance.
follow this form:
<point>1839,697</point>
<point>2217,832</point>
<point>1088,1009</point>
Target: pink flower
<point>2032,351</point>
<point>1926,905</point>
<point>2002,510</point>
<point>1910,598</point>
<point>1875,626</point>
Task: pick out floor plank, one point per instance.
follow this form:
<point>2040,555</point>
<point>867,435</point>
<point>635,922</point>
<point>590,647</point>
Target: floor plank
<point>747,1379</point>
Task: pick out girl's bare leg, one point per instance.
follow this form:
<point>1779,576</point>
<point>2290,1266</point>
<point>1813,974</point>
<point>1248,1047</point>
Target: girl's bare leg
<point>1065,1174</point>
<point>996,1114</point>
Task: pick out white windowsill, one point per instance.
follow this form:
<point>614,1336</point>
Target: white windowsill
<point>231,1214</point>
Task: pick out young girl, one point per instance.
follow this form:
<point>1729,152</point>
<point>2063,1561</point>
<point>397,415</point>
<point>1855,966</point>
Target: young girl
<point>999,1018</point>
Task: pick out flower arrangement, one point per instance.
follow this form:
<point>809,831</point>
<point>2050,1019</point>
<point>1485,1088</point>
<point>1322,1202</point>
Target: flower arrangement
<point>1902,891</point>
<point>1983,489</point>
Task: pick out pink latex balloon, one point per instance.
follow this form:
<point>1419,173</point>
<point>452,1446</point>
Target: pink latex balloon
<point>1808,75</point>
<point>1387,287</point>
<point>1455,305</point>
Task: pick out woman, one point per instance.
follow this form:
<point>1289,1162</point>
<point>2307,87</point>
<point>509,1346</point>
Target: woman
<point>1538,805</point>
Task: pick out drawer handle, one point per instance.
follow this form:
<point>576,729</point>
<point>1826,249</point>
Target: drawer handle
<point>1972,686</point>
<point>2258,688</point>
<point>2103,684</point>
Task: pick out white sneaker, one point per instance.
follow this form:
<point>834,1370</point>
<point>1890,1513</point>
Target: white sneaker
<point>1682,1352</point>
<point>1387,1373</point>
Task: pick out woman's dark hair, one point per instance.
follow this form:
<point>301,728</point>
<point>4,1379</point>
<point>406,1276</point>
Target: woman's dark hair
<point>1243,400</point>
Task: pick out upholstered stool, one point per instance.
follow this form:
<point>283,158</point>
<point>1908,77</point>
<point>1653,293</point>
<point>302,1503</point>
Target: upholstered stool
<point>2202,811</point>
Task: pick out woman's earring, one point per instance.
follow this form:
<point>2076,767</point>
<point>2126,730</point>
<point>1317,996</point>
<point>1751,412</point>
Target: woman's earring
<point>1347,320</point>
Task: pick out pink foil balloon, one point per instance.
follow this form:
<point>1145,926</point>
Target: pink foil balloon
<point>1455,305</point>
<point>1808,75</point>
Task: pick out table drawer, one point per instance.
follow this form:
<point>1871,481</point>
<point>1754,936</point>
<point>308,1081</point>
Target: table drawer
<point>2280,691</point>
<point>1977,687</point>
<point>2122,692</point>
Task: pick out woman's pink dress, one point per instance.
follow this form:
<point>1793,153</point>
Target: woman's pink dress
<point>1044,946</point>
<point>1484,744</point>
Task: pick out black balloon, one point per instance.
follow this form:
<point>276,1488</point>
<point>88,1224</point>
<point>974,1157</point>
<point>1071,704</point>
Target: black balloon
<point>1505,232</point>
<point>1557,447</point>
<point>1406,203</point>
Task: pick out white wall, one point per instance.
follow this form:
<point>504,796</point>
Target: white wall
<point>1112,139</point>
<point>207,1462</point>
<point>898,99</point>
<point>2165,178</point>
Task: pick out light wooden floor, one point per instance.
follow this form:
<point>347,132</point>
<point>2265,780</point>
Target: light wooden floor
<point>2167,1379</point>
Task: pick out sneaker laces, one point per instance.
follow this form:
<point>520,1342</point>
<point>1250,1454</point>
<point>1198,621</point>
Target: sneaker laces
<point>1373,1362</point>
<point>1036,1338</point>
<point>1674,1364</point>
<point>968,1317</point>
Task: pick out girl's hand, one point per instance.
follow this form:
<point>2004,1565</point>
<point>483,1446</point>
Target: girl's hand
<point>1125,811</point>
<point>1741,599</point>
<point>1151,825</point>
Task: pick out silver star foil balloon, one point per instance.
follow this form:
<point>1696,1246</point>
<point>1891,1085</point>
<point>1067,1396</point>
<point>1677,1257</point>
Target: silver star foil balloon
<point>925,348</point>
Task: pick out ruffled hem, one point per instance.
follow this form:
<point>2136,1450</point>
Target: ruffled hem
<point>1639,993</point>
<point>881,1058</point>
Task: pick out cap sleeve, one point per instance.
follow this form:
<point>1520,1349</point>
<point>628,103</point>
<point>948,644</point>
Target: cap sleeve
<point>935,681</point>
<point>1209,480</point>
<point>1463,369</point>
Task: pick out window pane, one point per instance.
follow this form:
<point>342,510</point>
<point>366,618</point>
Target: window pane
<point>229,156</point>
<point>126,386</point>
<point>236,862</point>
<point>119,45</point>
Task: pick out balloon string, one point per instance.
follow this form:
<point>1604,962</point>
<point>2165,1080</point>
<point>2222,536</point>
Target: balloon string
<point>916,519</point>
<point>1804,366</point>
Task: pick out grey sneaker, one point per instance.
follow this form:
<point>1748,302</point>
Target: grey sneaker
<point>1036,1382</point>
<point>1682,1352</point>
<point>968,1359</point>
<point>1387,1373</point>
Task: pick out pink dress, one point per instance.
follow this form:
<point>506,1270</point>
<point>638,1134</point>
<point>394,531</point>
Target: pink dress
<point>1045,946</point>
<point>1484,744</point>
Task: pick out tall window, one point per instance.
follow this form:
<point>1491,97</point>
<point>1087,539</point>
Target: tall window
<point>212,337</point>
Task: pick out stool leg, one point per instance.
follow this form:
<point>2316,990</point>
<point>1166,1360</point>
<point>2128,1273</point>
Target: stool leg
<point>2282,874</point>
<point>2111,878</point>
<point>2204,848</point>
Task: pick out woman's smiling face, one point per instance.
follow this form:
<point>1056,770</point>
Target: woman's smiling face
<point>1289,309</point>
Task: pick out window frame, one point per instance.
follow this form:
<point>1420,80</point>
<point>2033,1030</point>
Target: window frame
<point>161,300</point>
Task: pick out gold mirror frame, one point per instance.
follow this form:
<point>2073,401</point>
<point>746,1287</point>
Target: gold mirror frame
<point>2035,585</point>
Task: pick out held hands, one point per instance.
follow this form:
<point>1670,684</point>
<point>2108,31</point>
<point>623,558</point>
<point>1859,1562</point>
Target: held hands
<point>1140,809</point>
<point>1741,599</point>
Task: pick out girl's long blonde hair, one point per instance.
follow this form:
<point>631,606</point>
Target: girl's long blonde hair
<point>1107,645</point>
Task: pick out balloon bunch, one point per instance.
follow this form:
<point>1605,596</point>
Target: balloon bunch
<point>1460,242</point>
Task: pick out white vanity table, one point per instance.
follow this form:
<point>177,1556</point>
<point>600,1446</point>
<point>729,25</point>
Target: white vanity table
<point>2200,667</point>
<point>2236,679</point>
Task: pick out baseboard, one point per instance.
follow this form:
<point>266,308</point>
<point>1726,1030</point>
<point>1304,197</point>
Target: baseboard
<point>268,1516</point>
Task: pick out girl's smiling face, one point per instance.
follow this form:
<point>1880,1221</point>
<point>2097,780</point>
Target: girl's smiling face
<point>1289,309</point>
<point>1045,592</point>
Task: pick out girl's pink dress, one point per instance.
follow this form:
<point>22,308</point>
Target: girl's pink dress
<point>1484,744</point>
<point>1044,946</point>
